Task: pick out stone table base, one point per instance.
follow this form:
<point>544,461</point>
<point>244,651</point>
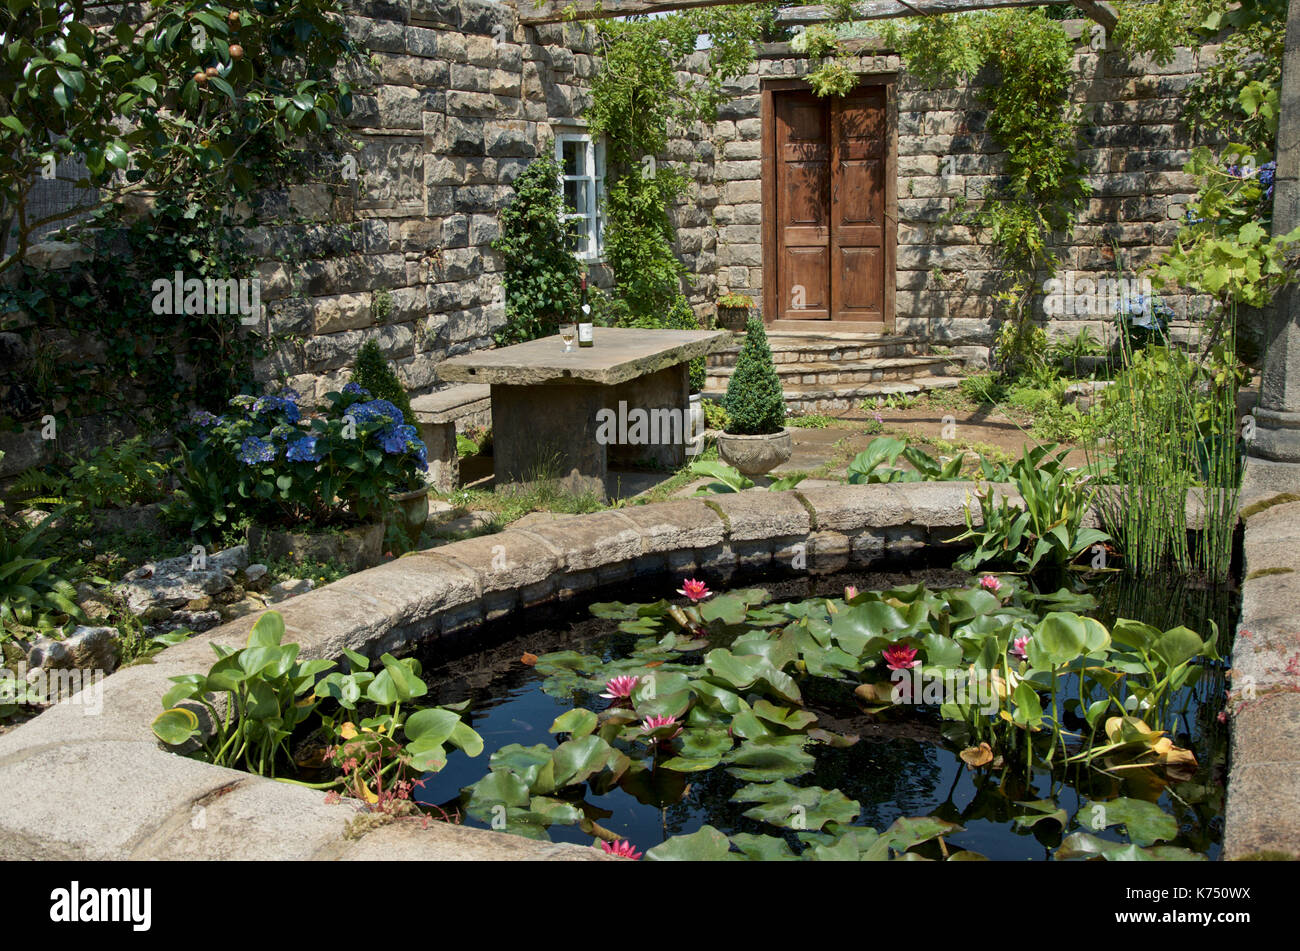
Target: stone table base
<point>570,432</point>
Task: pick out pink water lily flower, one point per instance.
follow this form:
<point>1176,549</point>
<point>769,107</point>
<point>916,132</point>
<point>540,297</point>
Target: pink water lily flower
<point>697,591</point>
<point>850,592</point>
<point>620,688</point>
<point>650,724</point>
<point>990,583</point>
<point>899,657</point>
<point>1019,645</point>
<point>623,849</point>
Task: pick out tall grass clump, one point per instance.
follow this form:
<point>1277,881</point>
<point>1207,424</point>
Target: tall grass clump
<point>1171,430</point>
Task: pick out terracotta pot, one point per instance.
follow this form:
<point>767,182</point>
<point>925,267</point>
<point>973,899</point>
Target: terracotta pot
<point>755,455</point>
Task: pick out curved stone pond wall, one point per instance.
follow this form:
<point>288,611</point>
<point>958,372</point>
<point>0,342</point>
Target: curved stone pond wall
<point>78,786</point>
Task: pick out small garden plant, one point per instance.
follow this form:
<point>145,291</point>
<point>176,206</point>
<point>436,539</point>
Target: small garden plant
<point>755,401</point>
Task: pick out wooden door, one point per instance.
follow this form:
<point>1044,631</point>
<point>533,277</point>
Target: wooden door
<point>830,158</point>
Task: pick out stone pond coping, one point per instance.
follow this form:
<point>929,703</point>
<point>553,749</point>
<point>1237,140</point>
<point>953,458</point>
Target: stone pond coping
<point>1263,807</point>
<point>74,786</point>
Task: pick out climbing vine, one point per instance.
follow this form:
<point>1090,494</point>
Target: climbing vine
<point>1031,119</point>
<point>641,91</point>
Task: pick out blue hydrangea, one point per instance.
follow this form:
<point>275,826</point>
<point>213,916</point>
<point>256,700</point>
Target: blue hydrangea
<point>356,389</point>
<point>401,439</point>
<point>303,450</point>
<point>376,410</point>
<point>1267,174</point>
<point>277,404</point>
<point>202,418</point>
<point>393,439</point>
<point>254,450</point>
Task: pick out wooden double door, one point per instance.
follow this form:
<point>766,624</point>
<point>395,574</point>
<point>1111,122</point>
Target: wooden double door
<point>828,198</point>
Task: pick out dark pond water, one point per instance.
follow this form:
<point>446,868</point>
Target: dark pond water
<point>901,767</point>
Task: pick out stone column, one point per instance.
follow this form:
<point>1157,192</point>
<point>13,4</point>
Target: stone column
<point>1275,451</point>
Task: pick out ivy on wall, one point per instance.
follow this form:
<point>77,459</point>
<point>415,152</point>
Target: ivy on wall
<point>1031,118</point>
<point>640,91</point>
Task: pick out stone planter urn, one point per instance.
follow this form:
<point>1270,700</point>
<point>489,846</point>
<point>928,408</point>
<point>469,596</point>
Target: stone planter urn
<point>755,455</point>
<point>359,547</point>
<point>413,510</point>
<point>733,318</point>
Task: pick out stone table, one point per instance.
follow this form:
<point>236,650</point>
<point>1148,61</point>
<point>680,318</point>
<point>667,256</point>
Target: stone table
<point>564,415</point>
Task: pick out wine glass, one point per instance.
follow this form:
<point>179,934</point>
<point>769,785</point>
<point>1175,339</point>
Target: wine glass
<point>568,332</point>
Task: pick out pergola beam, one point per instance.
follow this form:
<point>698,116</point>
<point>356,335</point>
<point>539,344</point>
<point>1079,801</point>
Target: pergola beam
<point>893,9</point>
<point>560,11</point>
<point>566,11</point>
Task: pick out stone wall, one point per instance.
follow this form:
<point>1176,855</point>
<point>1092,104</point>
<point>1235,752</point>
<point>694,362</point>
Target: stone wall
<point>1133,146</point>
<point>456,101</point>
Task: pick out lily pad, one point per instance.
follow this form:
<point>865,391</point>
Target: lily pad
<point>704,845</point>
<point>1145,822</point>
<point>793,807</point>
<point>769,758</point>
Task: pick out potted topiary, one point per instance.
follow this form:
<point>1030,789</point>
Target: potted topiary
<point>733,311</point>
<point>756,440</point>
<point>373,376</point>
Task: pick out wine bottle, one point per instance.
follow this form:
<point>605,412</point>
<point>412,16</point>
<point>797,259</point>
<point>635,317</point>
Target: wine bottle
<point>586,335</point>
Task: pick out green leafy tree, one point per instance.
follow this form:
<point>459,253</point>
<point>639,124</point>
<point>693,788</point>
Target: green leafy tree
<point>373,372</point>
<point>193,90</point>
<point>754,398</point>
<point>541,274</point>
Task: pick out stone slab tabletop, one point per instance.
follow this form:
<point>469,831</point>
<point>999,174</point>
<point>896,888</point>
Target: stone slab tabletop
<point>619,354</point>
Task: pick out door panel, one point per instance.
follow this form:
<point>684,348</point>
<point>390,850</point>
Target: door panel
<point>830,162</point>
<point>803,152</point>
<point>858,206</point>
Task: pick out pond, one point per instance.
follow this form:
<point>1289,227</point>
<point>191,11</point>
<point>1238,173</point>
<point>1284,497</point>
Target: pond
<point>810,763</point>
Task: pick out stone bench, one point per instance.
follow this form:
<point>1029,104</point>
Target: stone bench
<point>438,416</point>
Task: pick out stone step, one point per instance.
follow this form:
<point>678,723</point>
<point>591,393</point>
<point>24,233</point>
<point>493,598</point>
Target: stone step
<point>845,373</point>
<point>810,348</point>
<point>801,399</point>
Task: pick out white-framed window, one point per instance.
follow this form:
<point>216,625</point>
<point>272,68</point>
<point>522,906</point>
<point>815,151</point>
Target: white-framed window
<point>582,179</point>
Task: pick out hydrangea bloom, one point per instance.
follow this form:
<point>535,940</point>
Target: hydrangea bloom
<point>242,401</point>
<point>356,389</point>
<point>393,439</point>
<point>202,418</point>
<point>303,450</point>
<point>284,431</point>
<point>254,450</point>
<point>277,404</point>
<point>375,410</point>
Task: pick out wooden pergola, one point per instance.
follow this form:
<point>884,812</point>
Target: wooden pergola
<point>558,11</point>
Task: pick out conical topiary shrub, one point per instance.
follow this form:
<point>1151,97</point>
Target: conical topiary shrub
<point>373,373</point>
<point>754,398</point>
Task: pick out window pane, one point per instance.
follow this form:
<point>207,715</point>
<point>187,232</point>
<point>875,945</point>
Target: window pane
<point>577,227</point>
<point>573,155</point>
<point>575,195</point>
